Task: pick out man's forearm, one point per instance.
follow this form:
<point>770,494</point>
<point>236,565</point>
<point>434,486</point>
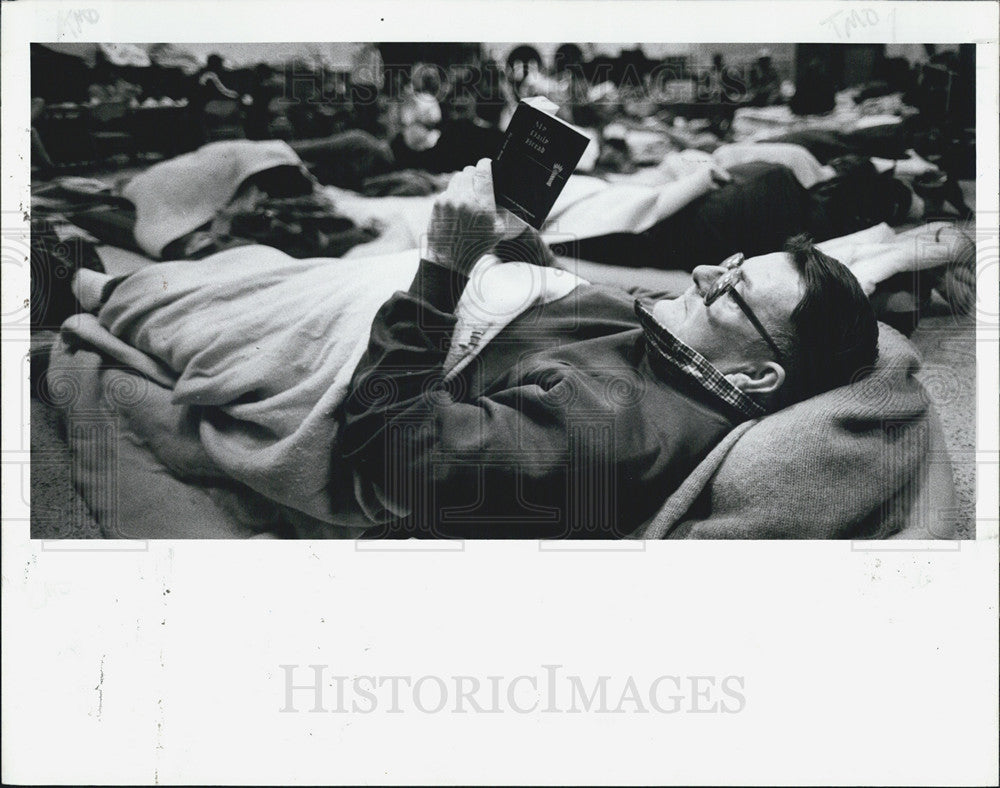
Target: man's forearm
<point>406,352</point>
<point>438,286</point>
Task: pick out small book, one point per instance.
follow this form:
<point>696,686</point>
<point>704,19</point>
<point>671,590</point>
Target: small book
<point>538,154</point>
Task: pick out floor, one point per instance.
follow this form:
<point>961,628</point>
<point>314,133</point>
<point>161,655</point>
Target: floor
<point>948,346</point>
<point>57,511</point>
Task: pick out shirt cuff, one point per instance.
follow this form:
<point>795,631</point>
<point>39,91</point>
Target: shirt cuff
<point>438,286</point>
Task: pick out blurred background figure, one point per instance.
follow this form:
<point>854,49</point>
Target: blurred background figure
<point>525,78</point>
<point>367,82</point>
<point>814,90</point>
<point>713,81</point>
<point>524,68</point>
<point>465,137</point>
<point>428,78</point>
<point>765,83</point>
<point>443,139</point>
<point>491,92</point>
<point>573,86</point>
<point>216,106</point>
<point>257,120</point>
<point>107,82</point>
<point>420,121</point>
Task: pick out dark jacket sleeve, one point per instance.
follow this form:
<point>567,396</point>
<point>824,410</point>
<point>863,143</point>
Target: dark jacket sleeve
<point>406,349</point>
<point>421,444</point>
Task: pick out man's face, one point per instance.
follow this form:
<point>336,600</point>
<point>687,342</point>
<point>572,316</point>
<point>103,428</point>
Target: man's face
<point>722,333</point>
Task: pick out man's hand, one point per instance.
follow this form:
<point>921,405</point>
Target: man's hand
<point>465,222</point>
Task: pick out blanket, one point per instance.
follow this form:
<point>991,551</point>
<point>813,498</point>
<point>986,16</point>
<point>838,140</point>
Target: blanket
<point>840,465</point>
<point>752,124</point>
<point>807,170</point>
<point>177,196</point>
<point>257,350</point>
<point>136,459</point>
<point>587,207</point>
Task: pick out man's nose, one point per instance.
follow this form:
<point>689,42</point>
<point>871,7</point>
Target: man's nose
<point>705,275</point>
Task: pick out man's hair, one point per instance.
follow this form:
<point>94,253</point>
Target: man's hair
<point>834,336</point>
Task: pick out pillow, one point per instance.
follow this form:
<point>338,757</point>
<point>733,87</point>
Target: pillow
<point>844,464</point>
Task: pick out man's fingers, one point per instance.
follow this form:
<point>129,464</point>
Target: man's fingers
<point>473,182</point>
<point>460,182</point>
<point>452,185</point>
<point>483,172</point>
<point>482,180</point>
<point>506,223</point>
<point>468,205</point>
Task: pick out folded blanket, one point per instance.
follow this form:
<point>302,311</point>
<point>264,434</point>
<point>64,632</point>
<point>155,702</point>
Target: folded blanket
<point>840,465</point>
<point>587,207</point>
<point>177,196</point>
<point>136,457</point>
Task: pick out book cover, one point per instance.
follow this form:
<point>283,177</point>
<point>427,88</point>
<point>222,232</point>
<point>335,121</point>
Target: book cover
<point>538,154</point>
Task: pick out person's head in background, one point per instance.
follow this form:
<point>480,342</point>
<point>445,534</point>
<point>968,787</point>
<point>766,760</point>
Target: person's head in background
<point>568,59</point>
<point>490,92</point>
<point>420,119</point>
<point>524,67</point>
<point>461,104</point>
<point>214,63</point>
<point>811,307</point>
<point>430,79</point>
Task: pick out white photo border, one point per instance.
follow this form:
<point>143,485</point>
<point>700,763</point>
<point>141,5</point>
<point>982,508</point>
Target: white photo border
<point>162,664</point>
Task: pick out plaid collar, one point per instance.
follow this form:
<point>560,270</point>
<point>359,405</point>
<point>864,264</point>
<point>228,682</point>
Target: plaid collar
<point>691,365</point>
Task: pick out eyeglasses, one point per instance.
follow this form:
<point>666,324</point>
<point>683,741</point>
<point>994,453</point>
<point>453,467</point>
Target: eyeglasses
<point>726,283</point>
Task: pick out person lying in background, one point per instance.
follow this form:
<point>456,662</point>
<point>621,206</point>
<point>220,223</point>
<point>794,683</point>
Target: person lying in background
<point>589,207</point>
<point>766,203</point>
<point>840,196</point>
<point>694,208</point>
<point>584,413</point>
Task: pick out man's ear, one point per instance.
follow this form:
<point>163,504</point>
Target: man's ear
<point>764,379</point>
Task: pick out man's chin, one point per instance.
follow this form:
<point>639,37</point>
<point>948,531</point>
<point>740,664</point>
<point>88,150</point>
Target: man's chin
<point>670,312</point>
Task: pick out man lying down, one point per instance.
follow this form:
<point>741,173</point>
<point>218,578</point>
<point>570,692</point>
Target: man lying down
<point>584,414</point>
<point>490,399</point>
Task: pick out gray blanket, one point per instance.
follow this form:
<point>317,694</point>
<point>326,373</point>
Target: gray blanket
<point>847,464</point>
